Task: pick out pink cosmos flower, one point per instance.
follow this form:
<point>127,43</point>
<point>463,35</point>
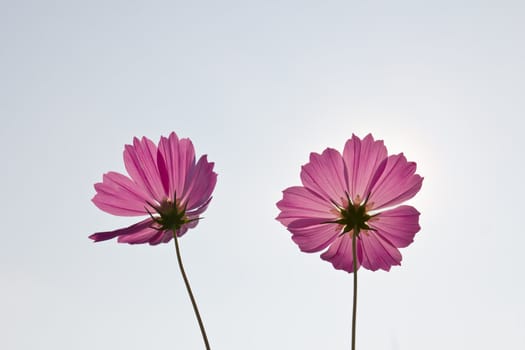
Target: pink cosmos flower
<point>356,193</point>
<point>165,183</point>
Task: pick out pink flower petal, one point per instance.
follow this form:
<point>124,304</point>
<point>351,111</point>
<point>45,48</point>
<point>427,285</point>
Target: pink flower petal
<point>161,237</point>
<point>307,222</point>
<point>340,254</point>
<point>179,156</point>
<point>315,237</point>
<point>133,229</point>
<point>324,175</point>
<point>168,152</point>
<point>378,253</point>
<point>163,173</point>
<point>199,185</point>
<point>195,213</point>
<point>398,225</point>
<point>396,184</point>
<point>118,195</point>
<point>167,237</point>
<point>144,236</point>
<point>362,160</point>
<point>141,163</point>
<point>299,202</point>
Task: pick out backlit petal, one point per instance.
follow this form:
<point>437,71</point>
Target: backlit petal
<point>313,236</point>
<point>199,185</point>
<point>179,156</point>
<point>161,237</point>
<point>362,160</point>
<point>340,254</point>
<point>324,175</point>
<point>141,164</point>
<point>378,253</point>
<point>398,225</point>
<point>299,203</point>
<point>396,184</point>
<point>133,229</point>
<point>119,195</point>
<point>144,236</point>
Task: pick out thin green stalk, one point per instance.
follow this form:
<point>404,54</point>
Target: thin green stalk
<point>354,309</point>
<point>190,293</point>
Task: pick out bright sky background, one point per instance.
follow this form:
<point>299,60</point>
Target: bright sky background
<point>258,86</point>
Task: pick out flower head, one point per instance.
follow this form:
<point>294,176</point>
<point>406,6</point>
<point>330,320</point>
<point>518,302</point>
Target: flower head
<point>165,184</point>
<point>357,193</point>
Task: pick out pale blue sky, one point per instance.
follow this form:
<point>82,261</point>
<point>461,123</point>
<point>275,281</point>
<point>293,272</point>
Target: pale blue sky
<point>258,86</point>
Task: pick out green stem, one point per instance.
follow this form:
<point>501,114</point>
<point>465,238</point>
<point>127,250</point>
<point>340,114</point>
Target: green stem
<point>188,288</point>
<point>354,309</point>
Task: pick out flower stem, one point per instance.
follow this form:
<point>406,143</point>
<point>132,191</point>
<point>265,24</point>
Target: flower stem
<point>190,293</point>
<point>354,309</point>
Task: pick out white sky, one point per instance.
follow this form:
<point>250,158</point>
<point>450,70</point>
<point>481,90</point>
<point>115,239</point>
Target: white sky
<point>258,86</point>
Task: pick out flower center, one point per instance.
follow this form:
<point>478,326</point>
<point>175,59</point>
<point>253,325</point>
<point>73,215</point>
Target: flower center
<point>354,217</point>
<point>171,216</point>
